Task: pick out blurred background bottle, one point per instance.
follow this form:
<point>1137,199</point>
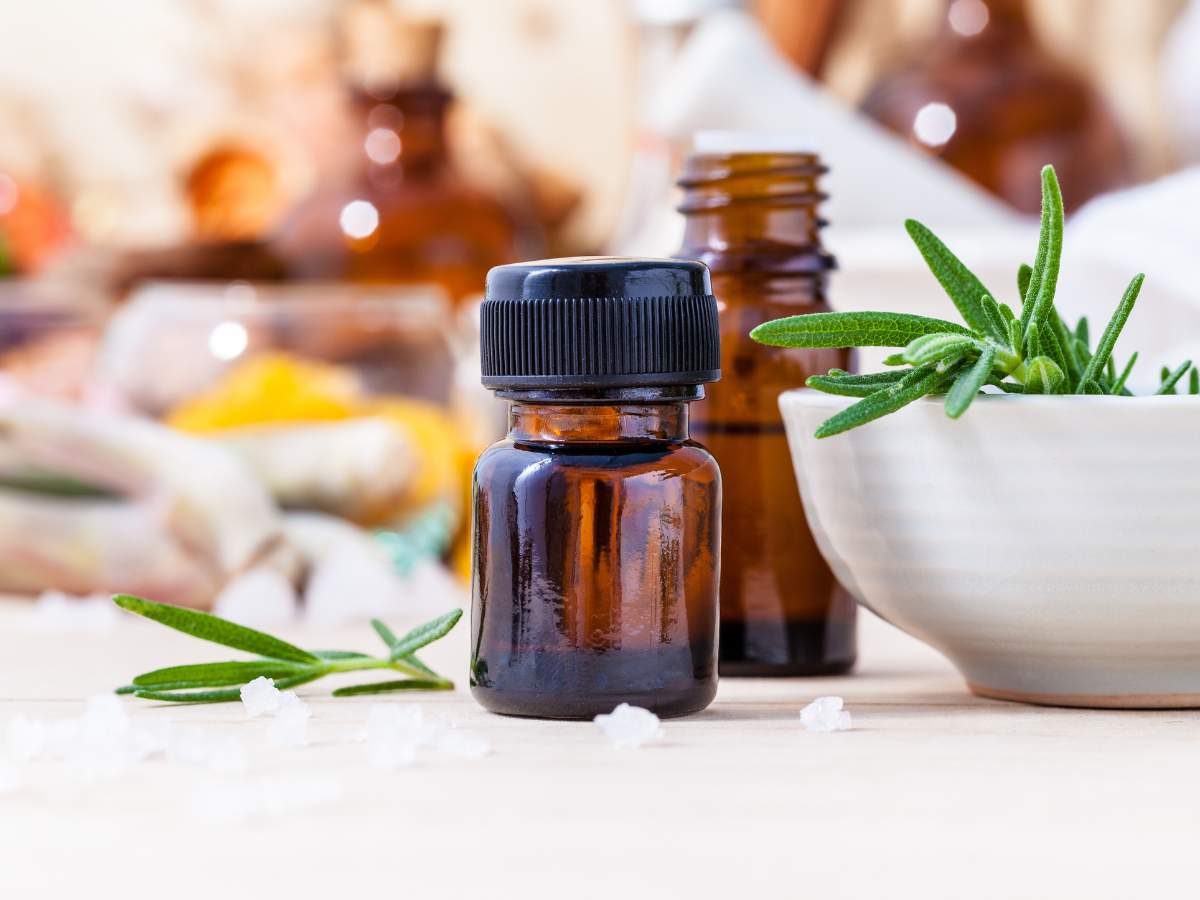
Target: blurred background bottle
<point>751,217</point>
<point>988,99</point>
<point>404,214</point>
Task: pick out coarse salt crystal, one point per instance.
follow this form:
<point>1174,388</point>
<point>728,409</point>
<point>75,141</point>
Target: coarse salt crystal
<point>825,714</point>
<point>629,726</point>
<point>260,696</point>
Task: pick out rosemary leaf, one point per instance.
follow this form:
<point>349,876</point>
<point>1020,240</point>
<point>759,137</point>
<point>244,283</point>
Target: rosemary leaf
<point>1047,279</point>
<point>854,385</point>
<point>220,673</point>
<point>1044,376</point>
<point>1024,273</point>
<point>850,329</point>
<point>211,628</point>
<point>968,383</point>
<point>1052,348</point>
<point>287,664</point>
<point>424,634</point>
<point>916,384</point>
<point>218,696</point>
<point>383,687</point>
<point>1118,386</point>
<point>1033,343</point>
<point>1112,331</point>
<point>1015,335</point>
<point>225,695</point>
<point>1194,381</point>
<point>999,330</point>
<point>1173,378</point>
<point>959,282</point>
<point>930,348</point>
<point>1033,283</point>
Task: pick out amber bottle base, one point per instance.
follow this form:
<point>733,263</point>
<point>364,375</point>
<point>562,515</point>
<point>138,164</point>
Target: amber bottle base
<point>534,705</point>
<point>581,684</point>
<point>806,649</point>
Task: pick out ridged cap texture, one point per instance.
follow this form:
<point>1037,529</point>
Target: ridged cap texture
<point>604,322</point>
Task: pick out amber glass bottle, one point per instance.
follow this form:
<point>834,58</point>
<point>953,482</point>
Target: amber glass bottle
<point>752,219</point>
<point>597,520</point>
<point>404,214</point>
<point>987,98</point>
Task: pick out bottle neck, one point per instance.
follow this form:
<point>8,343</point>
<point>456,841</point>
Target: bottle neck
<point>403,133</point>
<point>534,417</point>
<point>754,204</point>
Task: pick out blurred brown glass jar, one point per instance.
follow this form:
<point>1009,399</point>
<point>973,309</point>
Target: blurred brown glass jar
<point>752,219</point>
<point>989,100</point>
<point>402,214</point>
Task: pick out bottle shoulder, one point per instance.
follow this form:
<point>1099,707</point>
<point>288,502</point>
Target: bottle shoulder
<point>509,460</point>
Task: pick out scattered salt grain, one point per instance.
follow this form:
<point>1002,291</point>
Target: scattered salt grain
<point>260,696</point>
<point>825,714</point>
<point>105,742</point>
<point>273,797</point>
<point>102,743</point>
<point>57,613</point>
<point>259,598</point>
<point>290,726</point>
<point>629,726</point>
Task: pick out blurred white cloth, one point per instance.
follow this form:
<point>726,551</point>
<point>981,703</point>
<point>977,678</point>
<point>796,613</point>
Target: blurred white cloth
<point>1181,79</point>
<point>729,77</point>
<point>1150,229</point>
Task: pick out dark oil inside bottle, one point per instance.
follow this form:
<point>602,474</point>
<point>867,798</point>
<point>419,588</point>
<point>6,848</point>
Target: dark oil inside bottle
<point>597,532</point>
<point>752,219</point>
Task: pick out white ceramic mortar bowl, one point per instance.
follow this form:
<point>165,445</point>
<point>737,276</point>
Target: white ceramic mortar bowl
<point>1049,546</point>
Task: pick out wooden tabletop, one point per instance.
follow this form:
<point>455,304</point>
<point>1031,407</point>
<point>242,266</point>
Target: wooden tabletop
<point>933,793</point>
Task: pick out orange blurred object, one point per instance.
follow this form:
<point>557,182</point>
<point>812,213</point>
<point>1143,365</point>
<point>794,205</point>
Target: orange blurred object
<point>234,194</point>
<point>34,226</point>
<point>989,100</point>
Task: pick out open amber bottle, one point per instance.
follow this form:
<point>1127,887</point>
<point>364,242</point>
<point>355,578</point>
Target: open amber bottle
<point>752,219</point>
<point>597,520</point>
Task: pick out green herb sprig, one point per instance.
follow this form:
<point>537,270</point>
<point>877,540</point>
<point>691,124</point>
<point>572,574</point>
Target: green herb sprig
<point>1031,353</point>
<point>287,664</point>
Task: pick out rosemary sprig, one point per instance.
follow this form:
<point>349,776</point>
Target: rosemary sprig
<point>285,663</point>
<point>1033,353</point>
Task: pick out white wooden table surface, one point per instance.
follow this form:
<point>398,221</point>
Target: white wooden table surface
<point>934,793</point>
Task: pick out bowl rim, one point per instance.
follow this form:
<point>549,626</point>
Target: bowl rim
<point>812,397</point>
